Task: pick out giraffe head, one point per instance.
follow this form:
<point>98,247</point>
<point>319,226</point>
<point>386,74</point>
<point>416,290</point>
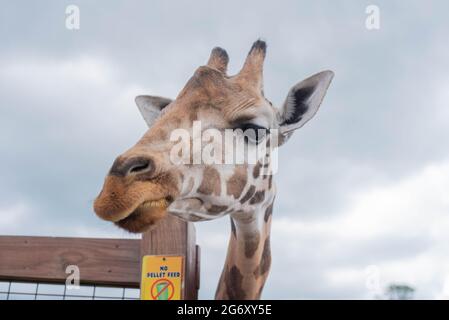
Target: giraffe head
<point>144,183</point>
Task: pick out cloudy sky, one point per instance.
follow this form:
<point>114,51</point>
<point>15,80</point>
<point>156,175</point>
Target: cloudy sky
<point>362,188</point>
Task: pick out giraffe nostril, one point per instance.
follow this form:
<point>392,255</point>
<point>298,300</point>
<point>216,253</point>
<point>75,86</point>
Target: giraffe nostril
<point>132,166</point>
<point>138,165</point>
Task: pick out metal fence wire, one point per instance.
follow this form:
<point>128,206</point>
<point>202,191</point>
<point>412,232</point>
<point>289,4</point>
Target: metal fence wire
<point>10,290</point>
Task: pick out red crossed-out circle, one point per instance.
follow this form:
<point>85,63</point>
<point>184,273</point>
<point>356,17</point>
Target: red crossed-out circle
<point>167,287</point>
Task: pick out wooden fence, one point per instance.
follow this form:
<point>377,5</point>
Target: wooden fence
<point>102,262</point>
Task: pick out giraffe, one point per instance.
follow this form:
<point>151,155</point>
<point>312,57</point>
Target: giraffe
<point>143,184</point>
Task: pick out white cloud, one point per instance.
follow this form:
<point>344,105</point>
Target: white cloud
<point>44,73</point>
<point>413,211</point>
<point>57,112</point>
<point>408,205</point>
<point>13,215</point>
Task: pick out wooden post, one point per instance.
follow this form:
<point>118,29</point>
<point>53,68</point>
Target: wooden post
<point>173,236</point>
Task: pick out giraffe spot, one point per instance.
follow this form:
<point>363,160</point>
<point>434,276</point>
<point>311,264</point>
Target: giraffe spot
<point>234,232</point>
<point>248,194</point>
<point>251,244</point>
<point>270,181</point>
<point>237,182</point>
<point>265,261</point>
<point>233,281</point>
<point>258,197</point>
<point>215,209</point>
<point>211,182</point>
<point>268,212</point>
<point>266,257</point>
<point>256,170</point>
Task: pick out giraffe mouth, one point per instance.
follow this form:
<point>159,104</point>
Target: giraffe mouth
<point>145,215</point>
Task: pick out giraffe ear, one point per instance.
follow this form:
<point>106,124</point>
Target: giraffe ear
<point>303,101</point>
<point>151,106</point>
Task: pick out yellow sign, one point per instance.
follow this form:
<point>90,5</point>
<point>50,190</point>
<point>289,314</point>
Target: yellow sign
<point>162,278</point>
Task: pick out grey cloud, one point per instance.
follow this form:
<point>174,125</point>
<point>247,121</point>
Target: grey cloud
<point>379,122</point>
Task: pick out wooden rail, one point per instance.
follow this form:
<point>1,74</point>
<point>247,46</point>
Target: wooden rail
<point>109,262</point>
<point>44,259</point>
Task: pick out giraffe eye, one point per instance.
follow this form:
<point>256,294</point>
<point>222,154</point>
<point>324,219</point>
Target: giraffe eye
<point>253,132</point>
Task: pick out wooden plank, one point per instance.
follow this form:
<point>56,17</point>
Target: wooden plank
<point>173,236</point>
<point>44,259</point>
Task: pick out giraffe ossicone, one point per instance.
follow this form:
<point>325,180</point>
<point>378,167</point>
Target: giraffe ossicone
<point>145,183</point>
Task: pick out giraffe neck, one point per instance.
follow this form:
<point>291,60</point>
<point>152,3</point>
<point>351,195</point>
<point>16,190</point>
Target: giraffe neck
<point>248,258</point>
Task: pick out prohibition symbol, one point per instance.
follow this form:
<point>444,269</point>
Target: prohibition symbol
<point>162,277</point>
<point>162,289</point>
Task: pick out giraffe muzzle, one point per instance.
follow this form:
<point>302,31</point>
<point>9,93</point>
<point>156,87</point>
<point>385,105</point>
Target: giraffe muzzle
<point>145,215</point>
<point>133,201</point>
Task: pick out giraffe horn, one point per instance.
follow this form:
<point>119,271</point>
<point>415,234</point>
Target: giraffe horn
<point>218,59</point>
<point>252,70</point>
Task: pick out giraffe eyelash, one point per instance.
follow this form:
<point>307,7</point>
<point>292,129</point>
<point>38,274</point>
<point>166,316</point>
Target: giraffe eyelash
<point>259,131</point>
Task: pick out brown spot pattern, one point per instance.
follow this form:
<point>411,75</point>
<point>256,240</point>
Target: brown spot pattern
<point>268,212</point>
<point>233,280</point>
<point>211,182</point>
<point>258,197</point>
<point>248,194</point>
<point>265,261</point>
<point>215,209</point>
<point>266,257</point>
<point>234,232</point>
<point>237,182</point>
<point>251,244</point>
<point>256,170</point>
